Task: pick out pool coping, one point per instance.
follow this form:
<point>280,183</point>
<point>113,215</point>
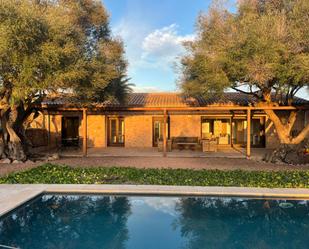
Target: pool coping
<point>14,195</point>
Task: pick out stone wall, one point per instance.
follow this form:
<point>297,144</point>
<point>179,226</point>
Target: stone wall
<point>41,123</point>
<point>138,131</point>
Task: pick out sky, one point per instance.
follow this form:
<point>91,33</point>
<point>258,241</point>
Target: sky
<point>153,32</point>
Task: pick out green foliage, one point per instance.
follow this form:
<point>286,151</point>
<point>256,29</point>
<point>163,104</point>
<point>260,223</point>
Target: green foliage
<point>47,45</point>
<point>263,47</point>
<point>56,174</point>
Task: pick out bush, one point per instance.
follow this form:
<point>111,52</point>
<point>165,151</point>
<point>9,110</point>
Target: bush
<point>57,174</point>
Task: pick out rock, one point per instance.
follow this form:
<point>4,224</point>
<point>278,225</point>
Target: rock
<point>53,157</point>
<point>29,162</point>
<point>16,161</point>
<point>291,154</point>
<point>5,160</point>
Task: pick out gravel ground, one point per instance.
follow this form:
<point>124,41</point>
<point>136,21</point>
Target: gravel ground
<point>157,162</point>
<point>6,169</point>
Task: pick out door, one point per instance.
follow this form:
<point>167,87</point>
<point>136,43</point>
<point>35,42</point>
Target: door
<point>239,131</point>
<point>157,130</point>
<point>116,132</point>
<point>69,131</point>
<point>257,132</point>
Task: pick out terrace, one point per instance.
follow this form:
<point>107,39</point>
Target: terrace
<point>223,151</point>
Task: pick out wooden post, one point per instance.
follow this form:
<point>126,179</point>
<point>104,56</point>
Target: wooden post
<point>231,131</point>
<point>85,132</point>
<point>248,133</point>
<point>164,132</point>
<point>48,134</point>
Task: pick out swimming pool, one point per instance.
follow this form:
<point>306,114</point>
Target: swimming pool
<point>135,222</point>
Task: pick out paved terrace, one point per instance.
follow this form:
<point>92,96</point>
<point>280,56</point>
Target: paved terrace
<point>224,151</point>
<point>12,196</point>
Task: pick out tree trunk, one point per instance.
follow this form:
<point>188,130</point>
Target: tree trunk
<point>12,145</point>
<point>284,129</point>
<point>292,150</point>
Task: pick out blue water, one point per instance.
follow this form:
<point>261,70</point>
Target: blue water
<point>118,222</point>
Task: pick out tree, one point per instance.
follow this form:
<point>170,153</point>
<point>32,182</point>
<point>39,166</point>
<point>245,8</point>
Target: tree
<point>262,50</point>
<point>47,46</point>
<point>69,222</point>
<point>241,223</point>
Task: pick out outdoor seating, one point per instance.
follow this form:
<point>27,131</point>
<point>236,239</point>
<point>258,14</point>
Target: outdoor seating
<point>223,139</point>
<point>186,142</point>
<point>70,142</point>
<point>209,143</point>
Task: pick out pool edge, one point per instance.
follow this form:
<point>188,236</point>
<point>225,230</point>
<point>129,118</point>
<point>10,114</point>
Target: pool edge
<point>15,195</point>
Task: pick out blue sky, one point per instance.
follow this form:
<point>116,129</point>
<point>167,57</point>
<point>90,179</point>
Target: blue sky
<point>153,32</point>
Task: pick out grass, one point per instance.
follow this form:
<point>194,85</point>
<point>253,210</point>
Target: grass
<point>57,174</point>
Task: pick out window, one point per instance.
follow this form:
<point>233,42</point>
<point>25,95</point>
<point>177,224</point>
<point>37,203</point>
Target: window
<point>218,128</point>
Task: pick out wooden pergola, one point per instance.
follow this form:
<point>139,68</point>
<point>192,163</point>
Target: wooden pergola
<point>165,112</point>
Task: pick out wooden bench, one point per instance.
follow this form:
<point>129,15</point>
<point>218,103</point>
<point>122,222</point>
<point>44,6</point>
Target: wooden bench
<point>186,142</point>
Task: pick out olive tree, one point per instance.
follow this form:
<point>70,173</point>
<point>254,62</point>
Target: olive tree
<point>261,50</point>
<point>52,45</point>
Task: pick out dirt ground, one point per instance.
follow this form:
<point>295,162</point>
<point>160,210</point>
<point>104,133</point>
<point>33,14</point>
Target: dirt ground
<point>157,162</point>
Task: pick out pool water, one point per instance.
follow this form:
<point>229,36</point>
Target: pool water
<point>137,222</point>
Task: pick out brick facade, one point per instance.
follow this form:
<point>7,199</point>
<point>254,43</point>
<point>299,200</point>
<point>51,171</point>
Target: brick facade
<point>138,128</point>
<point>138,131</point>
<point>185,126</point>
<point>96,131</point>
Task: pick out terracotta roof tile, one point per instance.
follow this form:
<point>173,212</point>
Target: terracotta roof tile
<point>156,100</point>
<point>176,100</point>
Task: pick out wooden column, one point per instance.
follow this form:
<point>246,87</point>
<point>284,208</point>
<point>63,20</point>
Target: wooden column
<point>164,132</point>
<point>248,133</point>
<point>231,131</point>
<point>48,134</point>
<point>85,132</point>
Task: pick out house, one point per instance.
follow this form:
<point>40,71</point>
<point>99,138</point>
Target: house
<point>141,122</point>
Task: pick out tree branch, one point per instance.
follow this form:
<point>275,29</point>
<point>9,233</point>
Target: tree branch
<point>249,93</point>
<point>291,120</point>
<point>301,136</point>
<point>282,132</point>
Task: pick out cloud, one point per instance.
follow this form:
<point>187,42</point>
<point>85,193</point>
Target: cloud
<point>163,205</point>
<point>162,46</point>
<point>151,53</point>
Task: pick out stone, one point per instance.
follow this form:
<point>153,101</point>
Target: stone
<point>291,154</point>
<point>29,162</point>
<point>5,160</point>
<point>16,161</point>
<point>56,156</point>
<point>53,157</point>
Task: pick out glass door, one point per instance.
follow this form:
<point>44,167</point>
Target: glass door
<point>257,132</point>
<point>116,132</point>
<point>157,130</point>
